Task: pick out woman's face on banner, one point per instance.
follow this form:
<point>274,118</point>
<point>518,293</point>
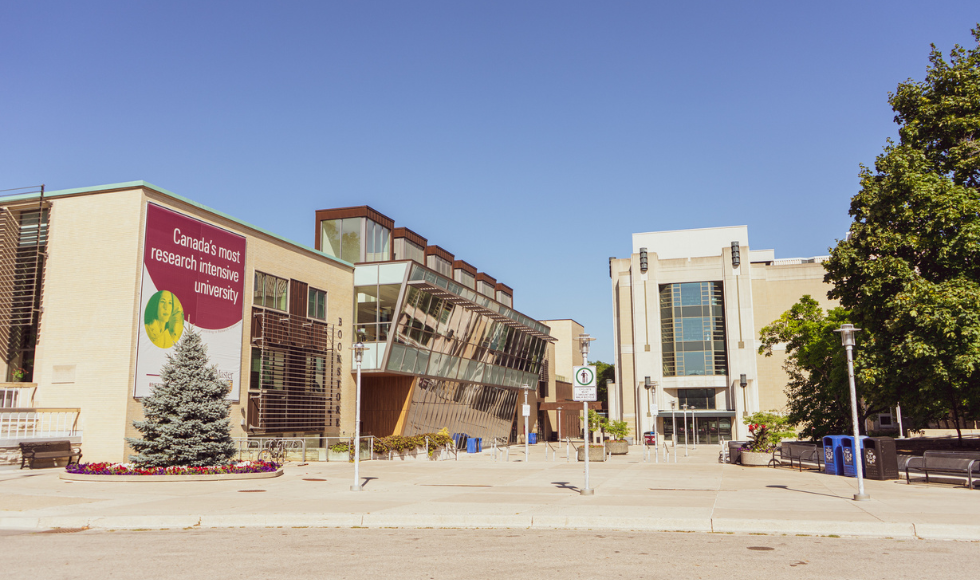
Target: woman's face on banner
<point>166,306</point>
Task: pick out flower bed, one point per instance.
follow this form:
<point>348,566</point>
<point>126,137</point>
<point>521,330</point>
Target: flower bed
<point>123,469</point>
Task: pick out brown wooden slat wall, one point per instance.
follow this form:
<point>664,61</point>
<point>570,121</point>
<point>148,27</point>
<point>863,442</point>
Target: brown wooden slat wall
<point>383,401</point>
<point>298,297</point>
<point>571,421</point>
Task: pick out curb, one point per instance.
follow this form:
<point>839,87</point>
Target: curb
<point>496,521</point>
<point>815,528</point>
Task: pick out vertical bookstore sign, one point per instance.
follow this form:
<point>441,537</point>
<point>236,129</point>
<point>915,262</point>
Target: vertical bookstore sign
<point>193,277</point>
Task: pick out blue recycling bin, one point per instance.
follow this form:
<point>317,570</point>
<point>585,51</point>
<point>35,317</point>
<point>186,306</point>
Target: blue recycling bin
<point>532,438</point>
<point>474,445</point>
<point>833,455</point>
<point>849,455</point>
<point>459,439</point>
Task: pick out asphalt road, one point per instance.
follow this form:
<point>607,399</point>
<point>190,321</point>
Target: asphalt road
<point>300,553</point>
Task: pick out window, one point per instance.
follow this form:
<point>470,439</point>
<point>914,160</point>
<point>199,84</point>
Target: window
<point>693,329</point>
<point>270,291</point>
<point>341,238</point>
<point>317,307</point>
<point>376,237</point>
<point>696,398</point>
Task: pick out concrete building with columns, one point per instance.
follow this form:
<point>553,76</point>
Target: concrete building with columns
<point>687,309</point>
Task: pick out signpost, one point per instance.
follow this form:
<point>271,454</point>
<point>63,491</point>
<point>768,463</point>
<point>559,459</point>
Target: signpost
<point>584,389</point>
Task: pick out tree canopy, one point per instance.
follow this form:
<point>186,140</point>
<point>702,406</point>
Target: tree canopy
<point>818,393</point>
<point>604,372</point>
<point>909,272</point>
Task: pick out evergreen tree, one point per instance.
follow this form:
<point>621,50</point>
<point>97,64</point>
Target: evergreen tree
<point>186,418</point>
<point>910,271</point>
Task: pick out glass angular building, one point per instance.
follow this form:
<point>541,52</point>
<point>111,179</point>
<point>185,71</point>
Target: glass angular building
<point>445,348</point>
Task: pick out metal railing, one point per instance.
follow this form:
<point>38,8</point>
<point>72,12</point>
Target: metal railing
<point>279,449</point>
<point>17,395</point>
<point>31,423</point>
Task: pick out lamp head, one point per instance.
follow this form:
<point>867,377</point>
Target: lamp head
<point>743,381</point>
<point>358,349</point>
<point>847,334</point>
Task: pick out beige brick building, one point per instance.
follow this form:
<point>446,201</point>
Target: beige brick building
<point>687,309</point>
<point>293,362</point>
<point>558,417</point>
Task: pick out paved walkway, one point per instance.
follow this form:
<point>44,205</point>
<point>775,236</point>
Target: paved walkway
<point>695,494</point>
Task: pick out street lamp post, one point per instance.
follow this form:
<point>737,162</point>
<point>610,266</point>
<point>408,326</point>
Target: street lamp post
<point>358,349</point>
<point>847,339</point>
<point>583,341</point>
<point>526,412</point>
<point>673,424</point>
<point>684,406</point>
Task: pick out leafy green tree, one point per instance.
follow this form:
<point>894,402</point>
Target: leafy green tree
<point>186,417</point>
<point>909,271</point>
<point>818,391</point>
<point>604,372</point>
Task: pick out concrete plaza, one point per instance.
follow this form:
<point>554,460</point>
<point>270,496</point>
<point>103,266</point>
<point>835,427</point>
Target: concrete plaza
<point>695,494</point>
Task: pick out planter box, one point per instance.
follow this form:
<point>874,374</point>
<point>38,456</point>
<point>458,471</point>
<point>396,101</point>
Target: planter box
<point>413,455</point>
<point>338,455</point>
<point>617,447</point>
<point>755,458</point>
<point>595,453</point>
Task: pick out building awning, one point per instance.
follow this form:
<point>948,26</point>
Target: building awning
<point>514,320</point>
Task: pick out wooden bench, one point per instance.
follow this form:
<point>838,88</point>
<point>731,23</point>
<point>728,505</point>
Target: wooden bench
<point>800,453</point>
<point>47,450</point>
<point>952,463</point>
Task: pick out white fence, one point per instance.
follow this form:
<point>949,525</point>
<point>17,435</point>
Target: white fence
<point>18,424</point>
<point>17,395</point>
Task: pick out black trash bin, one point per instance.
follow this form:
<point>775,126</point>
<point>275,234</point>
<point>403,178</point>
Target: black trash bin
<point>880,458</point>
<point>735,452</point>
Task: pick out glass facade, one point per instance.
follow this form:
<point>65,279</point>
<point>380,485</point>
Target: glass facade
<point>376,239</point>
<point>405,249</point>
<point>470,354</point>
<point>703,429</point>
<point>270,291</point>
<point>440,265</point>
<point>692,331</point>
<point>341,238</point>
<point>355,239</point>
<point>440,338</point>
<point>696,398</point>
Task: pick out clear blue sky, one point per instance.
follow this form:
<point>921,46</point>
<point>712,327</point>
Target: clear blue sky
<point>528,138</point>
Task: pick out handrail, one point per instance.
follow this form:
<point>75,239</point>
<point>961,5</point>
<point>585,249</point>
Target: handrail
<point>38,423</point>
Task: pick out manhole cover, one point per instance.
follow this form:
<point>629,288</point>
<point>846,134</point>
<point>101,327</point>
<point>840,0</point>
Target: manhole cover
<point>251,491</point>
<point>63,530</point>
<point>313,479</point>
<point>761,548</point>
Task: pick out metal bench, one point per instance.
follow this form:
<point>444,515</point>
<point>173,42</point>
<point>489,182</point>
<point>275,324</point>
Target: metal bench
<point>47,450</point>
<point>800,453</point>
<point>946,463</point>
